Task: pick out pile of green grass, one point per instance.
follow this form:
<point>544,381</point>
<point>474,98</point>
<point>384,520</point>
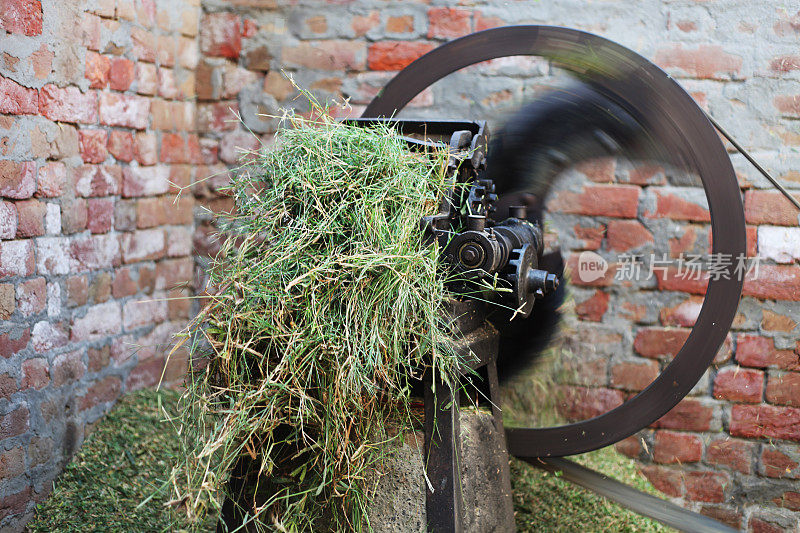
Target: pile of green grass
<point>128,456</point>
<point>325,300</point>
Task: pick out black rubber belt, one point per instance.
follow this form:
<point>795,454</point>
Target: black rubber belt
<point>639,502</point>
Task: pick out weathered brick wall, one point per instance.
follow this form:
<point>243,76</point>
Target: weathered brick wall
<point>731,449</point>
<point>96,122</point>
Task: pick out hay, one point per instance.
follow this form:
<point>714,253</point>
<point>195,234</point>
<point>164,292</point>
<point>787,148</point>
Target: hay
<point>325,300</point>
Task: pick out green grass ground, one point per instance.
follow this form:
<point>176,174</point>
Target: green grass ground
<point>127,457</point>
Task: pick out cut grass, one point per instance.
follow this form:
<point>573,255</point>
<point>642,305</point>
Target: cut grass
<point>546,502</point>
<point>129,454</point>
<point>324,299</point>
<point>123,462</point>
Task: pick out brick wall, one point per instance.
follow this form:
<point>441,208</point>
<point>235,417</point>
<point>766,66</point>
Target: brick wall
<point>96,122</point>
<point>104,104</point>
<point>730,450</point>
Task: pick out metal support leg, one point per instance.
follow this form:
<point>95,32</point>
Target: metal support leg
<point>445,510</point>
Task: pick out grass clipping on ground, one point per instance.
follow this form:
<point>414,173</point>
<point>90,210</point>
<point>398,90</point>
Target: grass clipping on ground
<point>325,298</point>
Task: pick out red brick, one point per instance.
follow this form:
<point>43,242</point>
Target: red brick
<point>220,35</point>
<point>124,284</point>
<point>73,216</point>
<point>16,258</point>
<point>660,342</point>
<point>673,206</point>
<point>77,291</point>
<point>145,181</point>
<point>605,280</point>
<point>634,376</point>
<point>15,504</point>
<point>646,175</point>
<point>484,23</point>
<point>144,312</point>
<point>684,314</point>
<point>760,352</point>
<point>147,79</point>
<point>600,170</point>
<point>144,43</point>
<point>784,389</point>
<point>326,55</point>
<point>620,201</point>
<point>581,403</point>
<point>99,321</point>
<point>68,105</point>
<point>594,307</point>
<point>734,453</point>
<point>143,245</point>
<point>52,179</point>
<point>788,105</point>
<point>89,32</point>
<point>12,462</point>
<point>706,486</point>
<point>704,61</point>
<point>217,117</point>
<point>630,447</point>
<point>124,110</point>
<point>777,464</point>
<point>16,99</point>
<point>173,273</point>
<point>8,220</point>
<point>361,24</point>
<point>788,500</point>
<point>32,296</point>
<point>671,280</point>
<point>97,68</point>
<point>17,179</point>
<point>167,88</point>
<point>785,63</point>
<point>93,145</point>
<point>8,386</point>
<point>173,148</point>
<point>14,423</point>
<point>95,252</point>
<point>144,149</point>
<point>625,235</point>
<point>121,74</point>
<point>151,212</point>
<point>592,236</point>
<point>756,421</point>
<point>448,23</point>
<point>30,215</point>
<point>106,390</point>
<point>395,55</point>
<point>774,282</point>
<point>739,385</point>
<point>400,24</point>
<point>35,374</point>
<point>759,525</point>
<point>769,207</point>
<point>689,415</point>
<point>673,447</point>
<point>13,341</point>
<point>47,335</point>
<point>667,480</point>
<point>146,374</point>
<point>97,180</point>
<point>683,244</point>
<point>21,16</point>
<point>120,144</point>
<point>101,215</point>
